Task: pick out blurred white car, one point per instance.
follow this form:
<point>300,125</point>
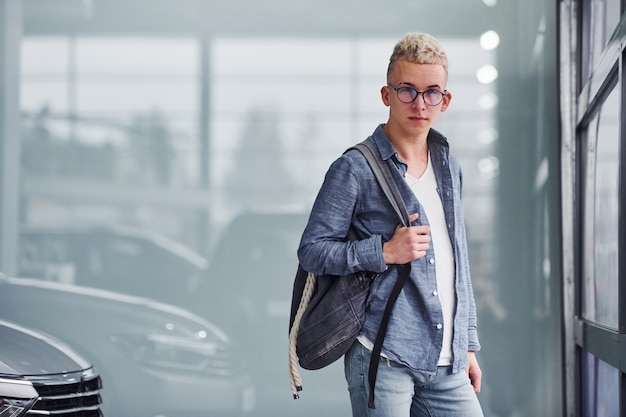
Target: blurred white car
<point>122,259</point>
<point>155,359</point>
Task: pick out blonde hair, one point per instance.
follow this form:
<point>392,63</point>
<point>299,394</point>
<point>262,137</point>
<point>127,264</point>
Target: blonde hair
<point>418,48</point>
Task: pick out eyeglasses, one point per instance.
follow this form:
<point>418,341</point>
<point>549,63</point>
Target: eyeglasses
<point>409,94</point>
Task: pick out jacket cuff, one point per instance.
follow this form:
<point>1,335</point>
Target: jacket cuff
<point>370,253</point>
<point>473,343</point>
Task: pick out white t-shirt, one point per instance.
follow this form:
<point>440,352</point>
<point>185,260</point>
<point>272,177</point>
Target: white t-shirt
<point>425,189</point>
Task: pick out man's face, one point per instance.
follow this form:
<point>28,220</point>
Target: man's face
<point>417,117</point>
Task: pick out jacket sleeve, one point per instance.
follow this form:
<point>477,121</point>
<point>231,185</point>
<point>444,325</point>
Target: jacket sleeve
<point>472,330</point>
<point>324,248</point>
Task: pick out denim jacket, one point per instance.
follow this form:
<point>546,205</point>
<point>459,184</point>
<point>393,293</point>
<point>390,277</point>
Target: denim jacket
<point>349,196</point>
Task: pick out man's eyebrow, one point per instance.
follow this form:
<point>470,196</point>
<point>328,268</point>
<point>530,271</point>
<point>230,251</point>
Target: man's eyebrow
<point>413,85</point>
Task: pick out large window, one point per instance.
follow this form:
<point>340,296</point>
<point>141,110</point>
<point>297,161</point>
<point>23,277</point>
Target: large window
<point>111,119</point>
<point>600,284</point>
<point>171,150</point>
<point>594,151</point>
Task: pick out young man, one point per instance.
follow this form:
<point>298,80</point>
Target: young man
<point>428,365</point>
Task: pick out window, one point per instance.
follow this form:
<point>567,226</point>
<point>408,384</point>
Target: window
<point>183,121</point>
<point>593,158</point>
<point>600,288</point>
<point>600,386</point>
<point>118,118</point>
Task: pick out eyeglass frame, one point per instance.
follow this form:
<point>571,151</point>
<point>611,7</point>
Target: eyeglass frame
<point>417,94</point>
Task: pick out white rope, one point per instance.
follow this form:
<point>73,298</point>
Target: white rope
<point>294,367</point>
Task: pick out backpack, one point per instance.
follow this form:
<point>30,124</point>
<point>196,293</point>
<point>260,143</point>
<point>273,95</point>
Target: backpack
<point>327,310</point>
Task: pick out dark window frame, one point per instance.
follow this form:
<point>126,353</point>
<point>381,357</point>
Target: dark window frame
<point>588,88</point>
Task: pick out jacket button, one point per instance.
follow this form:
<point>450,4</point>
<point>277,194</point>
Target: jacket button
<point>439,326</point>
<point>431,261</point>
<point>435,293</point>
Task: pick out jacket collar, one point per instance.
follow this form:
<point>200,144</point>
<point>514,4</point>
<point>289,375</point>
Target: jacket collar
<point>435,140</point>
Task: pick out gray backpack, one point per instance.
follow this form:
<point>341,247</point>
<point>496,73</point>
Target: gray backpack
<point>327,310</point>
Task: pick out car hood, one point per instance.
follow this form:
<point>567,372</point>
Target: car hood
<point>101,306</point>
<point>26,352</point>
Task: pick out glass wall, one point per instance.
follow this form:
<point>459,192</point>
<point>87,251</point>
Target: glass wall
<point>105,115</point>
<point>593,180</point>
<point>600,387</point>
<point>175,158</point>
<point>599,296</point>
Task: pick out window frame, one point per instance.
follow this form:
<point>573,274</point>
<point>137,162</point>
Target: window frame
<point>583,92</point>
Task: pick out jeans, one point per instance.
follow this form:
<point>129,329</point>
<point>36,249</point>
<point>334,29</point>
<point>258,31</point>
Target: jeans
<point>403,392</point>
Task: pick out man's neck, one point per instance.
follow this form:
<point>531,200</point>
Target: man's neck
<point>413,150</point>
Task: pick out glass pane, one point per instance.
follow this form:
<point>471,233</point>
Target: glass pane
<point>45,56</point>
<point>601,18</point>
<point>133,102</point>
<point>106,113</point>
<point>119,193</point>
<point>45,75</point>
<point>600,292</point>
<point>600,385</point>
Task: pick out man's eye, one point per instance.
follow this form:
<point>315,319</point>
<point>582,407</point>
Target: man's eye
<point>434,93</point>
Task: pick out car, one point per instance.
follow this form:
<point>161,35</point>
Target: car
<point>40,375</point>
<point>244,289</point>
<point>155,359</point>
<point>118,258</point>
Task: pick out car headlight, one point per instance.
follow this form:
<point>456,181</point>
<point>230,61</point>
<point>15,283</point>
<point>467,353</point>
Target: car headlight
<point>16,397</point>
<point>198,354</point>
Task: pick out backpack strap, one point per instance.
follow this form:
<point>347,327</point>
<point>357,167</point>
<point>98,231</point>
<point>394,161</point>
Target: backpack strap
<point>390,188</point>
<point>385,179</point>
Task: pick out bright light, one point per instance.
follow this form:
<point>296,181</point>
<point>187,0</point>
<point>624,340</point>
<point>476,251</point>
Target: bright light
<point>490,40</point>
<point>490,3</point>
<point>487,136</point>
<point>489,167</point>
<point>487,74</point>
<point>487,101</point>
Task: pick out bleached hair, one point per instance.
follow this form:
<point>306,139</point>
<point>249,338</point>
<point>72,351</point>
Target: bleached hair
<point>419,48</point>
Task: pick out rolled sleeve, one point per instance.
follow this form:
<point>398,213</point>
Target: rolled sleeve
<point>345,200</point>
<point>324,248</point>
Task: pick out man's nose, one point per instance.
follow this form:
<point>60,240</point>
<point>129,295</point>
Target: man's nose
<point>419,101</point>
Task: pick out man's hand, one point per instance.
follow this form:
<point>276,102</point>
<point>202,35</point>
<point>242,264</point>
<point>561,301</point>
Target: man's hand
<point>473,371</point>
<point>407,243</point>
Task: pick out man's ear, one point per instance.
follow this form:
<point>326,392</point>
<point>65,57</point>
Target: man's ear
<point>384,94</point>
<point>446,101</point>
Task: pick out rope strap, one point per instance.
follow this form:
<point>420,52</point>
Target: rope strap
<point>294,367</point>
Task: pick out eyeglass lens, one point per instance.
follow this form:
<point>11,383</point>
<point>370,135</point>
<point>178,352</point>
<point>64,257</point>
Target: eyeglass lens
<point>408,95</point>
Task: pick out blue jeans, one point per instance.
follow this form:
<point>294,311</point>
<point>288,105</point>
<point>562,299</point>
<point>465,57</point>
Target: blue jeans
<point>403,392</point>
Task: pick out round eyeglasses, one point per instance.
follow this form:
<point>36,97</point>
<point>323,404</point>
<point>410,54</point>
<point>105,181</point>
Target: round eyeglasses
<point>409,94</point>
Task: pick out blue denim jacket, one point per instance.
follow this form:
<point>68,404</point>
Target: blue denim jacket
<point>350,195</point>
